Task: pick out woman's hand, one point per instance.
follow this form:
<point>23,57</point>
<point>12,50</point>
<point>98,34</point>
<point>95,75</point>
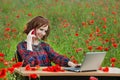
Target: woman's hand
<point>30,38</point>
<point>71,64</point>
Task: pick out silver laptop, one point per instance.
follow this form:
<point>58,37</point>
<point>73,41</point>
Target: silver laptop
<point>92,62</point>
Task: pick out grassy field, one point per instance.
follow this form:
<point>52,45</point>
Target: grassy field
<point>77,26</point>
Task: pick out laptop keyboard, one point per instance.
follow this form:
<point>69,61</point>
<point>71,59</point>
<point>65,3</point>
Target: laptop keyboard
<point>75,69</point>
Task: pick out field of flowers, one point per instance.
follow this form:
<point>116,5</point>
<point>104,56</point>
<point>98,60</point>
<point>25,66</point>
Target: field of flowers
<point>77,27</point>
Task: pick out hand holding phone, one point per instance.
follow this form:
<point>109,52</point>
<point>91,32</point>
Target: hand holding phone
<point>31,36</point>
<point>30,39</point>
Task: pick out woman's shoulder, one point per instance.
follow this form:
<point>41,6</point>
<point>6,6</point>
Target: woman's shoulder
<point>22,43</point>
<point>44,43</point>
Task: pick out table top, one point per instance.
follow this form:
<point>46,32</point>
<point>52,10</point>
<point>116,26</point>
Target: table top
<point>113,71</point>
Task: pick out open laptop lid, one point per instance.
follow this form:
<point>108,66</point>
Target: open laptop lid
<point>92,61</point>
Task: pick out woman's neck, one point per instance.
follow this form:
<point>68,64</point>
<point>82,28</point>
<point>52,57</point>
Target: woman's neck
<point>35,42</point>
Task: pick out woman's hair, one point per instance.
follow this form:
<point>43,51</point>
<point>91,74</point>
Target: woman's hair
<point>36,23</point>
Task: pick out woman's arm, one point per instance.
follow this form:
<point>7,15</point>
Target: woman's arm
<point>30,39</point>
<point>57,58</point>
<point>54,56</point>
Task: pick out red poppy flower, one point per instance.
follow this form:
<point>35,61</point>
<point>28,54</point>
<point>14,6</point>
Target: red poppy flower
<point>114,13</point>
<point>91,22</point>
<point>113,60</point>
<point>100,68</point>
<point>79,49</point>
<point>55,68</point>
<point>87,41</point>
<point>1,59</point>
<point>7,35</point>
<point>84,23</point>
<point>93,78</point>
<point>27,67</point>
<point>13,59</point>
<point>8,24</point>
<point>92,13</point>
<point>106,69</point>
<point>3,73</point>
<point>7,29</point>
<point>33,76</point>
<point>66,25</point>
<point>72,57</point>
<point>1,54</point>
<point>37,66</point>
<point>75,61</point>
<point>33,68</point>
<point>113,65</point>
<point>104,19</point>
<point>115,45</point>
<point>76,34</point>
<point>29,14</point>
<point>106,49</point>
<point>14,30</point>
<point>98,34</point>
<point>97,30</point>
<point>90,48</point>
<point>104,26</point>
<point>104,32</point>
<point>115,21</point>
<point>99,48</point>
<point>6,17</point>
<point>6,63</point>
<point>106,40</point>
<point>91,35</point>
<point>112,39</point>
<point>18,16</point>
<point>11,69</point>
<point>17,65</point>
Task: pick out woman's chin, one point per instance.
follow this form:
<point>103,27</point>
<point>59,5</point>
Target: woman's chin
<point>39,38</point>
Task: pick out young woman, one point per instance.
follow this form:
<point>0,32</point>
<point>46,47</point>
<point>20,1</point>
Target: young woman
<point>35,51</point>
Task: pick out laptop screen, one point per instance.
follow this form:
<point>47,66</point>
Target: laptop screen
<point>92,61</point>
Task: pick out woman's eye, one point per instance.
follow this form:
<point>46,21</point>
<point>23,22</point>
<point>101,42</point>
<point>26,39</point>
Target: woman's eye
<point>41,29</point>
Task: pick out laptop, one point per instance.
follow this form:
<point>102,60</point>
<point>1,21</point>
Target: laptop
<point>91,62</point>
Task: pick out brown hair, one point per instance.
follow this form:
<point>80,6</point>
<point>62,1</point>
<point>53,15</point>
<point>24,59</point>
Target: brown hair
<point>38,22</point>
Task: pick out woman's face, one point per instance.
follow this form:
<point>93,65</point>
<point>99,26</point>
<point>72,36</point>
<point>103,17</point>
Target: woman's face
<point>40,32</point>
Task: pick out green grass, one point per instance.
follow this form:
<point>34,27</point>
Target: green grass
<point>61,12</point>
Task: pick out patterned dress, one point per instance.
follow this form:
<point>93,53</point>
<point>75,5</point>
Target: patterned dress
<point>41,55</point>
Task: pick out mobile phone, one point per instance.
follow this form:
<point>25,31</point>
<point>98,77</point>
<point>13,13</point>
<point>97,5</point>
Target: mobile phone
<point>33,32</point>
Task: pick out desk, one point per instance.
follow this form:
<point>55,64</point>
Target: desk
<point>113,74</point>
